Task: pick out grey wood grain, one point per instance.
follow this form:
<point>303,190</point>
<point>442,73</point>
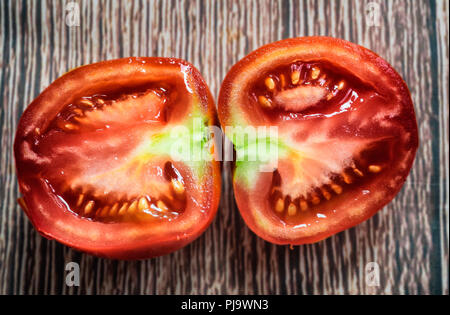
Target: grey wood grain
<point>408,239</point>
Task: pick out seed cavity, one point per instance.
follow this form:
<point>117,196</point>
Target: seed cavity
<point>286,205</point>
<point>298,88</point>
<point>290,206</point>
<point>84,110</point>
<point>116,208</point>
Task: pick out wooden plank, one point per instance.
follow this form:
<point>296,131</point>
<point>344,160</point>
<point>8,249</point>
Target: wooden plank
<point>408,239</point>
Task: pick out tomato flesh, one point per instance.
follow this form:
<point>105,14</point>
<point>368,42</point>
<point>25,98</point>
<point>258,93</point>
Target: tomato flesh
<point>347,136</point>
<point>94,163</point>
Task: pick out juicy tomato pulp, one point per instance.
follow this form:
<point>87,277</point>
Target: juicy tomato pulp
<point>95,163</point>
<point>347,136</point>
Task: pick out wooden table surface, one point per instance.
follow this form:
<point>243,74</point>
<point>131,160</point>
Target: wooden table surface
<point>408,239</point>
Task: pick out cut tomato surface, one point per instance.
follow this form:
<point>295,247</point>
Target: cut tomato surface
<point>96,163</point>
<point>346,136</point>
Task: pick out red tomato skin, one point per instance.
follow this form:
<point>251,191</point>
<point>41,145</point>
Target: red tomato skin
<point>53,221</point>
<point>225,112</point>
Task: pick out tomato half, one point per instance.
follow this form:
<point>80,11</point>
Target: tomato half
<point>346,136</point>
<point>95,164</point>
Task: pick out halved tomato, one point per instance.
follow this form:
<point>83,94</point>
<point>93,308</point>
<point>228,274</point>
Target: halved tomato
<point>96,164</point>
<point>346,136</point>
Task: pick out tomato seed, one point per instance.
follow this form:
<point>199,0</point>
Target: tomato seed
<point>374,168</point>
<point>86,102</point>
<point>358,172</point>
<point>270,84</point>
<point>315,200</point>
<point>347,178</point>
<point>264,101</point>
<point>303,205</point>
<point>177,186</point>
<point>295,77</point>
<point>143,204</point>
<point>161,205</point>
<point>336,188</point>
<point>279,207</point>
<point>133,207</point>
<point>80,200</point>
<point>326,194</point>
<point>89,207</point>
<point>292,209</point>
<point>315,72</point>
